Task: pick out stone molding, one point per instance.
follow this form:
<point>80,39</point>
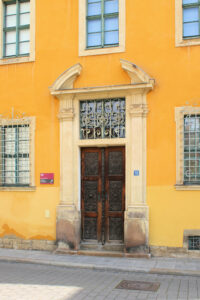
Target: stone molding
<point>136,223</point>
<point>66,114</point>
<point>136,74</point>
<point>66,79</point>
<point>138,110</point>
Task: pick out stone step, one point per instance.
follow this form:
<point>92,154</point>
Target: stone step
<point>99,247</point>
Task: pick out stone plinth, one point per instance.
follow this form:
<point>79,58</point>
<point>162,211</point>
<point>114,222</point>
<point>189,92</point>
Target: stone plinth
<point>68,228</point>
<point>136,229</point>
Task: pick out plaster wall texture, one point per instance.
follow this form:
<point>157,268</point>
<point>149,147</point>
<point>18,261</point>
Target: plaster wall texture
<point>150,43</point>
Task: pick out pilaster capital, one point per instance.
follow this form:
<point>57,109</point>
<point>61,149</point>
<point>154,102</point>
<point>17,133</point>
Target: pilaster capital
<point>66,114</point>
<point>138,110</point>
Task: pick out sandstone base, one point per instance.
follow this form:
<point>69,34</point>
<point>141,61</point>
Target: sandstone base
<point>136,230</point>
<point>12,242</point>
<point>68,227</point>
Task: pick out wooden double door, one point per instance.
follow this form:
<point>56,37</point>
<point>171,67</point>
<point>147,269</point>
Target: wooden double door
<point>103,194</point>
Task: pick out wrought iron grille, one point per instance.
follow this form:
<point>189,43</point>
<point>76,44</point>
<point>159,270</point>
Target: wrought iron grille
<point>14,153</point>
<point>104,118</point>
<point>192,149</point>
<point>194,242</point>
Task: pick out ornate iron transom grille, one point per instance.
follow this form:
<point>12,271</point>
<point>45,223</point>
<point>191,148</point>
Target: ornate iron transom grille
<point>194,242</point>
<point>14,152</point>
<point>104,118</point>
<point>192,149</point>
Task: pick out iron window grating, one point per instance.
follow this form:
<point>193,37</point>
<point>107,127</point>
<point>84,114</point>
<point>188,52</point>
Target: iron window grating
<point>15,141</point>
<point>16,28</point>
<point>191,149</point>
<point>191,18</point>
<point>194,243</point>
<point>103,118</point>
<point>105,18</point>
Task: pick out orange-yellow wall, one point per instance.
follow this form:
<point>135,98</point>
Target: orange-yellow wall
<point>150,43</point>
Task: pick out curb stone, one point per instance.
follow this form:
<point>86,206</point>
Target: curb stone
<point>158,271</point>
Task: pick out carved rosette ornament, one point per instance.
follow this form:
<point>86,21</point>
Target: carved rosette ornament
<point>138,110</point>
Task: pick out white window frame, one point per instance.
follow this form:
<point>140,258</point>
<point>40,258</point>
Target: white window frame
<point>179,40</point>
<point>31,122</point>
<point>180,113</point>
<point>83,51</point>
<point>23,59</point>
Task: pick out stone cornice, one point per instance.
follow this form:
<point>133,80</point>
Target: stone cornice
<point>132,88</point>
<point>140,82</point>
<point>136,74</point>
<point>66,79</point>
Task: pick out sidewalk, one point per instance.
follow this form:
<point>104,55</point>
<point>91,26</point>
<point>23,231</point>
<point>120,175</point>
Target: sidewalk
<point>155,265</point>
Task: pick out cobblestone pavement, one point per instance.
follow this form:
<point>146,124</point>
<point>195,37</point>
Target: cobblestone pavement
<point>20,281</point>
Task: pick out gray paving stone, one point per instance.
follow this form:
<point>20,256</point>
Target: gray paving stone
<point>43,282</point>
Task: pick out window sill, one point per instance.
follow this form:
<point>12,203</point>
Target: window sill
<point>17,189</point>
<point>99,51</point>
<point>16,60</point>
<point>182,187</point>
<point>188,42</point>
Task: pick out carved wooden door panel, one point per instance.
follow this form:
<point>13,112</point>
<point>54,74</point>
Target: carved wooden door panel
<point>115,193</point>
<point>91,206</point>
<point>103,193</point>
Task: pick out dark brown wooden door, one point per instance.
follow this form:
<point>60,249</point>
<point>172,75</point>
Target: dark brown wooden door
<point>103,193</point>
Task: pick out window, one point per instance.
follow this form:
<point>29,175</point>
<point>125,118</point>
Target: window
<point>187,22</point>
<point>18,36</point>
<point>102,118</point>
<point>101,26</point>
<point>16,30</point>
<point>191,18</point>
<point>16,139</point>
<point>188,147</point>
<point>102,23</point>
<point>194,243</point>
<point>192,149</point>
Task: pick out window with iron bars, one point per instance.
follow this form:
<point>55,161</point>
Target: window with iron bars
<point>15,154</point>
<point>103,118</point>
<point>194,243</point>
<point>192,149</point>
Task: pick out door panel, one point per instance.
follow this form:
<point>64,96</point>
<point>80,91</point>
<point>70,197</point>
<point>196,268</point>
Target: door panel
<point>103,193</point>
<point>91,193</point>
<point>115,187</point>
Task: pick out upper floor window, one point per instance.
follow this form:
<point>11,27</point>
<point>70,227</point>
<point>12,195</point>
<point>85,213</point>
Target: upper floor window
<point>191,18</point>
<point>16,29</point>
<point>17,39</point>
<point>100,119</point>
<point>102,23</point>
<point>187,25</point>
<point>101,26</point>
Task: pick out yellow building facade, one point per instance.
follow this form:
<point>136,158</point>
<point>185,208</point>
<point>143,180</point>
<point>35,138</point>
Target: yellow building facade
<point>58,63</point>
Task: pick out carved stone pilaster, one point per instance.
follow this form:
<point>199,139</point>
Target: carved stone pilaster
<point>66,114</point>
<point>138,110</point>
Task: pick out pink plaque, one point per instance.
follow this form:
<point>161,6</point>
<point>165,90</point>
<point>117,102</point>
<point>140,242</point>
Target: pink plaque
<point>46,178</point>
